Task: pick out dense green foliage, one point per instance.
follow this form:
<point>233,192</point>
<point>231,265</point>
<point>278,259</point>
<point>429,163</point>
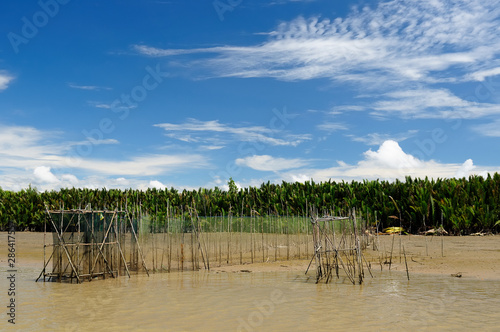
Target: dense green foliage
<point>462,206</point>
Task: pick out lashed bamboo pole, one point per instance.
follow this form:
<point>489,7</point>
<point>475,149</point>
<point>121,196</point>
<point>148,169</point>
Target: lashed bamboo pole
<point>61,241</point>
<point>139,247</point>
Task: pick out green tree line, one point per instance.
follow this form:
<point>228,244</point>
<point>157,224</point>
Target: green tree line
<point>461,206</point>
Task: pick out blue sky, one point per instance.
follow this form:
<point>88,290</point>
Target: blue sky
<point>185,94</point>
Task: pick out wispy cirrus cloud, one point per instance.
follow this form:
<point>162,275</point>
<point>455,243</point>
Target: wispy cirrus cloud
<point>332,126</point>
<point>88,87</point>
<point>481,75</point>
<point>397,41</point>
<point>150,164</point>
<point>29,155</point>
<point>94,141</point>
<point>380,138</point>
<point>427,103</point>
<point>269,163</point>
<point>412,53</point>
<point>111,106</point>
<point>284,2</point>
<point>192,129</point>
<point>491,129</point>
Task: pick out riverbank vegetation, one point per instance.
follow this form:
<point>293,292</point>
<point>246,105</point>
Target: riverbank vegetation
<point>461,206</point>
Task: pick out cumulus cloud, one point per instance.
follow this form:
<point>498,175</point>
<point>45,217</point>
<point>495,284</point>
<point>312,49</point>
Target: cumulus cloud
<point>156,184</point>
<point>389,162</point>
<point>390,156</point>
<point>70,179</point>
<point>465,169</point>
<point>44,175</point>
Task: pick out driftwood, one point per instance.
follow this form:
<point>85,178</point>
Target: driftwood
<point>438,231</point>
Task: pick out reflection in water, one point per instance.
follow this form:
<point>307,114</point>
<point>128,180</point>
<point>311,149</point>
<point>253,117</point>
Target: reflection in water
<point>209,301</point>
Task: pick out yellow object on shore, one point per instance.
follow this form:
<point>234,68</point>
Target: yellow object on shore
<point>392,230</point>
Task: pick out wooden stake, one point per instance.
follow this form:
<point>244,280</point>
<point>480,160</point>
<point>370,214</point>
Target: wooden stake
<point>407,273</point>
<point>392,248</point>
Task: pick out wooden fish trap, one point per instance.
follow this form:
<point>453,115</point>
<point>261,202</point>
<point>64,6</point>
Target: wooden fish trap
<point>89,244</point>
<point>337,247</point>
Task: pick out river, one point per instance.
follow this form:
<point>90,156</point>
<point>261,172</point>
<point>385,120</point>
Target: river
<point>255,301</point>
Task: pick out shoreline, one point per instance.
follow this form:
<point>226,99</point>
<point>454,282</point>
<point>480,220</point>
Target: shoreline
<point>476,257</point>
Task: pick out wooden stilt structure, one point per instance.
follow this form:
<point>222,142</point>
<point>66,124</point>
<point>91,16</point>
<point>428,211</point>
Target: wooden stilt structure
<point>87,244</point>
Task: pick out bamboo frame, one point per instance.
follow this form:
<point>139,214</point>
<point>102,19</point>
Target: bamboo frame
<point>330,255</point>
<point>76,243</point>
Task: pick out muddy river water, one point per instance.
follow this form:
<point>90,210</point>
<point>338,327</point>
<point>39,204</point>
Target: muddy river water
<point>255,301</point>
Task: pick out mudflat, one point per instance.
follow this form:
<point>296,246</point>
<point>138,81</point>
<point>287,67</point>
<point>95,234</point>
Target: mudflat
<point>460,256</point>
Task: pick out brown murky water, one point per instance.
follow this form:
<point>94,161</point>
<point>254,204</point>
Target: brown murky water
<point>257,301</point>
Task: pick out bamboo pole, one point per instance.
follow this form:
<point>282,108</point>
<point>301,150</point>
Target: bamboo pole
<point>102,254</point>
<point>241,239</point>
<point>407,273</point>
<point>139,247</point>
<point>392,247</point>
<point>121,252</point>
<point>62,242</point>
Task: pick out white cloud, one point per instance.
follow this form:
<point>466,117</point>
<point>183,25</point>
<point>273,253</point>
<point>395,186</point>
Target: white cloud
<point>111,106</point>
<point>482,74</point>
<point>28,155</point>
<point>45,179</point>
<point>397,47</point>
<point>27,147</point>
<point>431,104</point>
<point>284,2</point>
<point>396,41</point>
<point>88,87</point>
<point>346,108</point>
<point>390,156</point>
<point>389,162</point>
<point>145,165</point>
<point>380,138</point>
<point>246,134</point>
<point>211,147</point>
<point>269,163</point>
<point>465,169</point>
<point>331,126</point>
<point>157,184</point>
<point>491,129</point>
<point>44,175</point>
<point>5,80</point>
<point>299,178</point>
<point>94,141</point>
<point>70,178</point>
<point>20,144</point>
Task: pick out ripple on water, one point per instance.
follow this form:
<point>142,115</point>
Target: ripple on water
<point>257,301</point>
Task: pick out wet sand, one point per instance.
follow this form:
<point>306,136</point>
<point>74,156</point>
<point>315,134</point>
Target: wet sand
<point>469,256</point>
